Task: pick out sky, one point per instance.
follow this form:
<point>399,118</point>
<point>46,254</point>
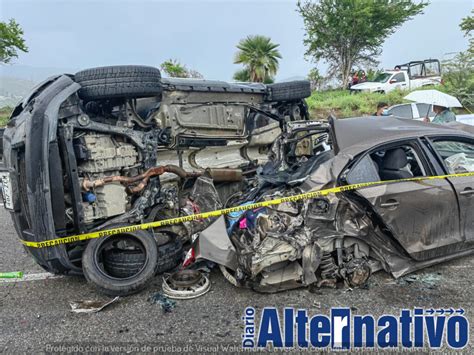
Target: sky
<point>76,34</point>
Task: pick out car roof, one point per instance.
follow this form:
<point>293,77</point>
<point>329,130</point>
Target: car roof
<point>355,135</point>
<point>398,105</point>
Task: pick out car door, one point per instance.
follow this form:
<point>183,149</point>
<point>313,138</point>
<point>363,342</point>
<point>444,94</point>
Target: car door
<point>457,155</point>
<point>422,216</point>
<point>399,81</point>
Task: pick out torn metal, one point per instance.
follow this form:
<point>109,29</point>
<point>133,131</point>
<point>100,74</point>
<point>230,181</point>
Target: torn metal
<point>314,242</point>
<point>83,155</point>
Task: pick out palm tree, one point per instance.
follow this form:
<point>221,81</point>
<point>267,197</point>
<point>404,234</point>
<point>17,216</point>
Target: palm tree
<point>259,56</point>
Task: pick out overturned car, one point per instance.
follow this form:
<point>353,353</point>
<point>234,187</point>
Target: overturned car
<point>117,146</point>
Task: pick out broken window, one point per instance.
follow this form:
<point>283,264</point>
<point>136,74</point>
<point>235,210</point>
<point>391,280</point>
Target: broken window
<point>393,163</point>
<point>457,156</point>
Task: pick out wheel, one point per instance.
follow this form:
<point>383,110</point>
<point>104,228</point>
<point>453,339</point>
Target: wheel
<point>169,255</point>
<point>128,274</point>
<point>119,82</point>
<point>289,91</point>
<point>125,263</point>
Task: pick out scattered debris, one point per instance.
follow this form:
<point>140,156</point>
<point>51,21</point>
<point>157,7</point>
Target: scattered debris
<point>89,306</point>
<point>429,279</point>
<point>32,277</point>
<point>165,303</point>
<point>11,275</point>
<point>186,284</point>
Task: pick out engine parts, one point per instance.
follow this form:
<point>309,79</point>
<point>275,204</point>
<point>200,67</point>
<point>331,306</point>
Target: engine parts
<point>98,153</point>
<point>106,201</point>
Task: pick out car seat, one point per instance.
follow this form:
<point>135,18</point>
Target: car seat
<point>394,165</point>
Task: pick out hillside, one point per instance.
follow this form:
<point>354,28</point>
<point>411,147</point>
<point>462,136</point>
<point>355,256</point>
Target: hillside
<point>12,90</point>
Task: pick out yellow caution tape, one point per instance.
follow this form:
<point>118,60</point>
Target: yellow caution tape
<point>224,211</point>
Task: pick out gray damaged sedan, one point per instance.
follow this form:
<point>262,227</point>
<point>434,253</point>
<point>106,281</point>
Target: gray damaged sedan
<point>118,146</point>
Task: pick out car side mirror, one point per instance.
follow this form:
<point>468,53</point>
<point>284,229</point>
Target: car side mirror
<point>393,81</point>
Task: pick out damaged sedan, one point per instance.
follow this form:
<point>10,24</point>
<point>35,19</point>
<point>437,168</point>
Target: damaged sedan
<point>114,147</point>
<point>410,222</point>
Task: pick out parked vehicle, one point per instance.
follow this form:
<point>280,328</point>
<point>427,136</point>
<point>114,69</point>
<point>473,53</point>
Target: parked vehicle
<point>419,111</point>
<point>112,147</point>
<point>408,76</point>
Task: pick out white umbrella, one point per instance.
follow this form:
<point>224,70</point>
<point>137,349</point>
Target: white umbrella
<point>433,97</point>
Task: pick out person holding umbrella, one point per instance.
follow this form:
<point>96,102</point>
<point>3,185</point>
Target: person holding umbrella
<point>441,103</point>
<point>443,115</point>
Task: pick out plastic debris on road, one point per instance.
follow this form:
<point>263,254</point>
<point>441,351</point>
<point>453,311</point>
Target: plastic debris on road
<point>89,306</point>
<point>165,303</point>
<point>11,275</point>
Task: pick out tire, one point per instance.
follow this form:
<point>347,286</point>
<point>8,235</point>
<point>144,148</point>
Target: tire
<point>132,81</point>
<point>169,256</point>
<point>125,264</point>
<point>116,282</point>
<point>289,91</point>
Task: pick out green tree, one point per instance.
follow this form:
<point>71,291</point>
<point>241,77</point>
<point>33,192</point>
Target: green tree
<point>347,33</point>
<point>467,26</point>
<point>458,72</point>
<point>372,73</point>
<point>259,56</point>
<point>244,76</point>
<point>315,78</point>
<point>174,69</point>
<point>458,77</point>
<point>11,41</point>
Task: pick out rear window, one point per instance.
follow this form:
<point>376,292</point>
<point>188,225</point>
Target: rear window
<point>400,78</point>
<point>432,68</point>
<point>424,109</point>
<point>403,111</point>
<point>364,171</point>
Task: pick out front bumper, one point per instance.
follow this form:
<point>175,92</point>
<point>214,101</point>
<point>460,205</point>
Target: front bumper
<point>32,158</point>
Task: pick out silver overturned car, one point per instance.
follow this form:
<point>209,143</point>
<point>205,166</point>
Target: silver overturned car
<point>117,146</point>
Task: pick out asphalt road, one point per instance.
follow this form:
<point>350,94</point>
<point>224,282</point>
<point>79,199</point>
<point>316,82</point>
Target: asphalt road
<point>35,316</point>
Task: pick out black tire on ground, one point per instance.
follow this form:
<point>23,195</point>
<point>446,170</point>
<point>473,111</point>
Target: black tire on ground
<point>118,284</point>
<point>169,256</point>
<point>122,264</point>
<point>123,81</point>
<point>125,264</point>
<point>289,91</point>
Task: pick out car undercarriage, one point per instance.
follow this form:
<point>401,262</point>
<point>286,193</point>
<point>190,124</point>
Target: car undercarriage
<point>118,146</point>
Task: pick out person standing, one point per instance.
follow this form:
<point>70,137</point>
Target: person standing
<point>382,109</point>
<point>443,115</point>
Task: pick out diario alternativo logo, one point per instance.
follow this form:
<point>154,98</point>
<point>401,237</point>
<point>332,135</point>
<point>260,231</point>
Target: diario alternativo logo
<point>417,328</point>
